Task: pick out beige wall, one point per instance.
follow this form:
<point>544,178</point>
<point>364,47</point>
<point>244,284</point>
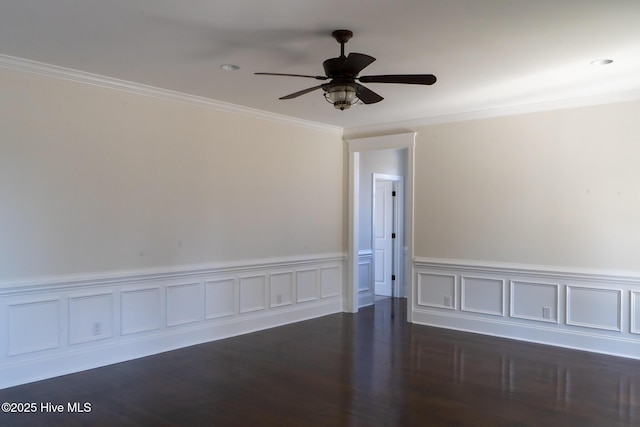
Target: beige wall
<point>554,188</point>
<point>97,180</point>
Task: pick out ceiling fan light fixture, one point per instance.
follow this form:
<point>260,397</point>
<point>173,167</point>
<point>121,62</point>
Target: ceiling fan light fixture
<point>342,96</point>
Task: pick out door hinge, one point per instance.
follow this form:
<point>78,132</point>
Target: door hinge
<point>393,193</point>
<point>393,235</point>
<point>393,277</point>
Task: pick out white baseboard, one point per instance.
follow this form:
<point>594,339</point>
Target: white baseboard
<point>590,310</point>
<point>61,326</point>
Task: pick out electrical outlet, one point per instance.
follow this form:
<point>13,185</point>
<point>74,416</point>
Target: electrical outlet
<point>546,312</point>
<point>447,301</point>
<point>279,299</point>
<point>97,328</point>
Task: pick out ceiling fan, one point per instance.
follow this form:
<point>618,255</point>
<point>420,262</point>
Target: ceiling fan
<point>343,90</point>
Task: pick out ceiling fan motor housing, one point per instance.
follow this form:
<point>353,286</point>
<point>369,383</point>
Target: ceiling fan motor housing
<point>332,66</point>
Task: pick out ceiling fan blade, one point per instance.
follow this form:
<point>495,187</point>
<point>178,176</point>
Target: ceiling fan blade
<point>367,96</point>
<point>355,63</point>
<point>411,79</point>
<point>302,92</point>
<point>293,75</point>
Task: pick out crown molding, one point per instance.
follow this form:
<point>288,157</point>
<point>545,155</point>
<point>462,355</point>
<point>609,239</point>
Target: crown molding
<point>513,110</point>
<point>55,71</point>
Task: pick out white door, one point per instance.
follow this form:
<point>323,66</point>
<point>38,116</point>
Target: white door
<point>383,242</point>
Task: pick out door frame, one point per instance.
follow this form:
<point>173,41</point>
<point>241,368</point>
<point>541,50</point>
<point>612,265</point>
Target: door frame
<point>398,227</point>
<point>355,147</point>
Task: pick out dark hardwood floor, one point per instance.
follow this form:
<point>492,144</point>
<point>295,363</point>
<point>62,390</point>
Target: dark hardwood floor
<point>348,370</point>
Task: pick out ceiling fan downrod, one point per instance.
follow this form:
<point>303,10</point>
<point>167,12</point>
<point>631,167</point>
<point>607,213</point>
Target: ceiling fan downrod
<point>342,36</point>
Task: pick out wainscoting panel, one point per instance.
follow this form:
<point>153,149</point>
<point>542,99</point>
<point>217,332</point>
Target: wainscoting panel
<point>329,281</point>
<point>307,289</point>
<point>221,298</point>
<point>581,309</point>
<point>635,312</point>
<point>34,326</point>
<point>253,291</point>
<point>141,310</point>
<point>591,307</point>
<point>535,301</point>
<point>437,290</point>
<point>90,317</point>
<point>62,325</point>
<point>281,290</point>
<point>365,278</point>
<point>184,304</point>
<point>481,295</point>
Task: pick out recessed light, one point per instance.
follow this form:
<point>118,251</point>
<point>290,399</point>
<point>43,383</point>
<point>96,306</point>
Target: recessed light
<point>230,67</point>
<point>602,62</point>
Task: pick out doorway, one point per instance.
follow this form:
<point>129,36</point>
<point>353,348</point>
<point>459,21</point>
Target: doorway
<point>356,147</point>
<point>387,225</point>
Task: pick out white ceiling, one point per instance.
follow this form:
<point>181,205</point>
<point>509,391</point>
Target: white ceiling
<point>487,54</point>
